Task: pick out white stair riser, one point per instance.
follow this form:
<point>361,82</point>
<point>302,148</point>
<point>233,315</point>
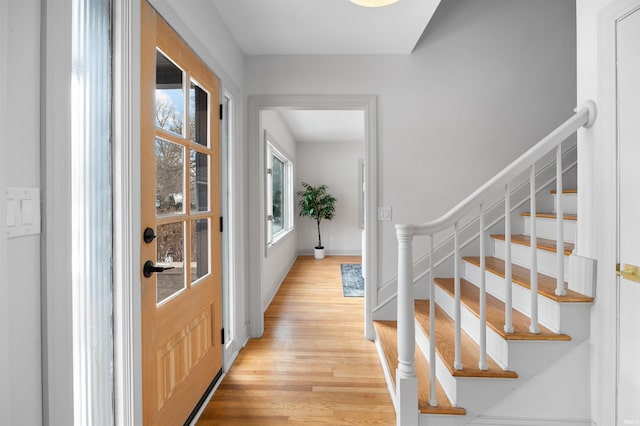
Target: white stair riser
<point>462,391</point>
<point>569,203</point>
<point>448,382</point>
<point>546,228</point>
<point>548,310</point>
<point>521,255</point>
<point>497,347</point>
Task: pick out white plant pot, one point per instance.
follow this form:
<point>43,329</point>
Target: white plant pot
<point>318,253</point>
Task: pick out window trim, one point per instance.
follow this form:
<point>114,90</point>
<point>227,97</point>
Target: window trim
<point>273,148</point>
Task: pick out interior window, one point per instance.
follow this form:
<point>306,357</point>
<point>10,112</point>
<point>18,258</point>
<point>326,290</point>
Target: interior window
<point>279,189</point>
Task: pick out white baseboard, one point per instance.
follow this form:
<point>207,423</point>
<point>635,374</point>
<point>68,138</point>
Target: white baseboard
<point>333,252</point>
<point>527,421</point>
<point>274,290</point>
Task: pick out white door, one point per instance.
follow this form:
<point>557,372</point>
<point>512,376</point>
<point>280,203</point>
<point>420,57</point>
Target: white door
<point>628,74</point>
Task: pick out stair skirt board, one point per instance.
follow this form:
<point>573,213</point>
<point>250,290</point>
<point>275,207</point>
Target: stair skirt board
<point>387,374</point>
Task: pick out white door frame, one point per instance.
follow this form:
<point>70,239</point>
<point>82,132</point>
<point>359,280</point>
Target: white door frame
<point>127,343</point>
<point>606,361</point>
<point>257,103</point>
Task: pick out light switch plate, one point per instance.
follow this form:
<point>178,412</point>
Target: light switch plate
<point>384,213</point>
<point>23,212</point>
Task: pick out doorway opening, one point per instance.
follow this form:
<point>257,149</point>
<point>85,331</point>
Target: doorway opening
<point>257,181</point>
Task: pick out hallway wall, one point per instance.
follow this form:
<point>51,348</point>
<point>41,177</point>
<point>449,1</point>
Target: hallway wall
<point>279,258</point>
<point>488,79</point>
<point>20,328</point>
<point>334,164</point>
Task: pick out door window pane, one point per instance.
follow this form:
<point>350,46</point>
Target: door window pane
<point>198,114</point>
<point>277,223</point>
<point>199,181</point>
<point>170,254</point>
<point>169,95</point>
<point>169,177</point>
<point>199,249</point>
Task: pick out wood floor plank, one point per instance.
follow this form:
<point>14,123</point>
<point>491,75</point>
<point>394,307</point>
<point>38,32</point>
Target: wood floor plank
<point>445,346</point>
<point>522,277</point>
<point>541,243</point>
<point>312,365</point>
<point>469,297</point>
<point>387,333</point>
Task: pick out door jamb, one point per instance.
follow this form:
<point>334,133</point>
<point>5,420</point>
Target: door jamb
<point>257,103</point>
<point>606,387</point>
<point>127,343</point>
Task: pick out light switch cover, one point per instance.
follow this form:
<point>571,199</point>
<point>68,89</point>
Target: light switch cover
<point>23,210</point>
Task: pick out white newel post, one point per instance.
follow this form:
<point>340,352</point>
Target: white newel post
<point>406,381</point>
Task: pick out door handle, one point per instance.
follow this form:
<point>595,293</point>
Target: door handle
<point>628,272</point>
<point>149,268</point>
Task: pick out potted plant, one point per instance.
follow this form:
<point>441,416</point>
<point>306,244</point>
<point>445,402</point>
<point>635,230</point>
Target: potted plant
<point>318,204</point>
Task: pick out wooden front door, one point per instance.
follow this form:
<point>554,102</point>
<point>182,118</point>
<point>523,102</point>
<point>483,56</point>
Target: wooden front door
<point>180,163</point>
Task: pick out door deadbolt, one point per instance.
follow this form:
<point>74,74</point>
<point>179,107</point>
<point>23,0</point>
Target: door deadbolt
<point>149,235</point>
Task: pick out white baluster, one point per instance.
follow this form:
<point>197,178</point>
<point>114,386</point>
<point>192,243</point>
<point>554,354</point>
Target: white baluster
<point>406,380</point>
<point>533,328</point>
<point>483,298</point>
<point>433,401</point>
<point>508,304</point>
<point>458,323</point>
<point>561,289</point>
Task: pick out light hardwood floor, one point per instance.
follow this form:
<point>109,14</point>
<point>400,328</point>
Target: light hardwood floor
<point>312,366</point>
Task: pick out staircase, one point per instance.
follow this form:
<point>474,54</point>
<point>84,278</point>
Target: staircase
<point>505,315</point>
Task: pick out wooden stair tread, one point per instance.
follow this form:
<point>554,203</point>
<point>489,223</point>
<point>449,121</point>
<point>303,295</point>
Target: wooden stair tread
<point>565,191</point>
<point>469,296</point>
<point>551,215</point>
<point>445,346</point>
<point>387,333</point>
<point>542,243</point>
<point>521,276</point>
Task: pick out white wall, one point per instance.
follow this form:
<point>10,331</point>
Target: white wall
<point>488,79</point>
<point>20,342</point>
<point>336,165</point>
<point>279,258</point>
<point>4,282</point>
<point>594,234</point>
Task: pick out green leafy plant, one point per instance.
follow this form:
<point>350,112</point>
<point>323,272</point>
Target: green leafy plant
<point>318,204</point>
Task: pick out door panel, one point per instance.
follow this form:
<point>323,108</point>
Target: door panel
<point>181,313</point>
<point>628,73</point>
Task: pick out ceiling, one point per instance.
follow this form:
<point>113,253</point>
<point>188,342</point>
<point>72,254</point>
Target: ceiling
<point>313,126</point>
<point>325,27</point>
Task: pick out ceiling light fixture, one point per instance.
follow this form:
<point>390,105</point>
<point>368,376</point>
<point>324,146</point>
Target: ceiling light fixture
<point>373,3</point>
